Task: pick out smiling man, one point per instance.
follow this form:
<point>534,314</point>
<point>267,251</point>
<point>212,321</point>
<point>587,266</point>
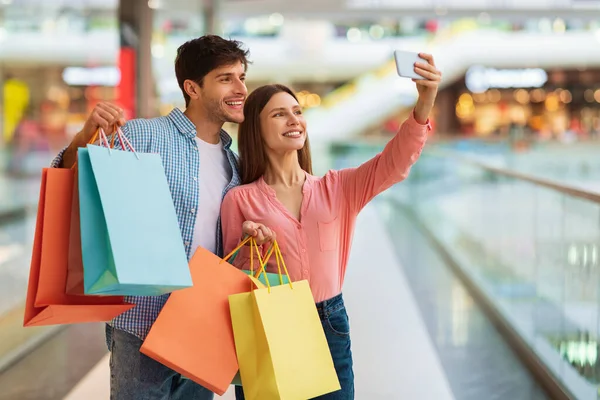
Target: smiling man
<point>200,168</point>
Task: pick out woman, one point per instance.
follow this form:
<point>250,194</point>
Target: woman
<point>314,217</point>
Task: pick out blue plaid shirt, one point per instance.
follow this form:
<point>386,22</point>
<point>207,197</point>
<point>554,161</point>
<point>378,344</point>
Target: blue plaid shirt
<point>173,138</point>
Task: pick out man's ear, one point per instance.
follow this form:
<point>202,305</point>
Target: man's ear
<point>192,89</point>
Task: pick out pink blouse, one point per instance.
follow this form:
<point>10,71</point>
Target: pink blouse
<point>316,247</point>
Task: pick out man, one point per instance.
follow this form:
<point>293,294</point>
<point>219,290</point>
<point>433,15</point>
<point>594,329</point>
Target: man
<point>200,168</point>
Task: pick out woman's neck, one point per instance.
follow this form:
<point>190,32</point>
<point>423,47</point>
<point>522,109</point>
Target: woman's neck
<point>284,170</point>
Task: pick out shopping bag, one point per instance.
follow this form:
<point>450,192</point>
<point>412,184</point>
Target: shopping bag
<point>130,238</point>
<point>75,262</point>
<point>262,276</point>
<point>280,343</point>
<point>46,302</point>
<point>274,279</point>
<point>74,283</point>
<point>192,334</point>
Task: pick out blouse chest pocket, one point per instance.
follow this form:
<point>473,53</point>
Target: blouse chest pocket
<point>329,234</point>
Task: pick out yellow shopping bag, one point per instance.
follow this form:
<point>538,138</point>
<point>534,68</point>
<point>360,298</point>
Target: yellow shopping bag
<point>281,347</point>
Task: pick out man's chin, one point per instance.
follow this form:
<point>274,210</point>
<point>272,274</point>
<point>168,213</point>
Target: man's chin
<point>236,118</point>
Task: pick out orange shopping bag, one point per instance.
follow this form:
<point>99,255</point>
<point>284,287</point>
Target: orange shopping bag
<point>47,303</point>
<point>193,333</point>
<point>74,283</point>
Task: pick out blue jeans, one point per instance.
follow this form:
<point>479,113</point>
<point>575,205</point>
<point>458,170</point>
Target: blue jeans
<point>337,331</point>
<point>135,376</point>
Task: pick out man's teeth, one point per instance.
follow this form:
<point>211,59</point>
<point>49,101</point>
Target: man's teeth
<point>234,103</point>
<point>295,133</point>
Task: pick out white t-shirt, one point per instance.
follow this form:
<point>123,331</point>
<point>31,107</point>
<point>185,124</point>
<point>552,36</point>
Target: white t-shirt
<point>214,175</point>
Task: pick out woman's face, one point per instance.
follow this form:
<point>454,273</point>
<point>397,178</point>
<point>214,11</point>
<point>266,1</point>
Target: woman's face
<point>283,126</point>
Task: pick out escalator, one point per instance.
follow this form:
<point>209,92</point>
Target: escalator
<point>371,98</point>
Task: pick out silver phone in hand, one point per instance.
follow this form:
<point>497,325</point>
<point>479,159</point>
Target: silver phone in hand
<point>405,63</point>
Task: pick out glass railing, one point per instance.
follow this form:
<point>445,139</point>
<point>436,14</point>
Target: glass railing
<point>575,164</point>
<point>531,246</point>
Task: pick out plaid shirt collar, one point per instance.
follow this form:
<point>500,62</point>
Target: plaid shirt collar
<point>187,127</point>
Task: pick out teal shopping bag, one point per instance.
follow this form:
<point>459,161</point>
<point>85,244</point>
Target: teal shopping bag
<point>273,278</point>
<point>130,238</point>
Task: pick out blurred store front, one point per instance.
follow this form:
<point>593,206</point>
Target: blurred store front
<point>543,104</point>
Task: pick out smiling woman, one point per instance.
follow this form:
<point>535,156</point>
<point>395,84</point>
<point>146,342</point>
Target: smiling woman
<point>313,217</point>
<point>272,114</point>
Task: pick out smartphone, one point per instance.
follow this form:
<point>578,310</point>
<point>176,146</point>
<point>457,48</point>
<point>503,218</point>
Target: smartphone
<point>405,63</point>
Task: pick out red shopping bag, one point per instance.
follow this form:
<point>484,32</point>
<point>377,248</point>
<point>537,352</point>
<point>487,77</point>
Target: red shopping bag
<point>47,303</point>
<point>74,283</point>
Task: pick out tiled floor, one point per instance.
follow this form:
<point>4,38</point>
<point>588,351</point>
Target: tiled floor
<point>55,367</point>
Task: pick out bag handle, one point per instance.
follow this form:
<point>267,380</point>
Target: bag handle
<point>235,251</point>
<point>262,264</point>
<point>274,248</point>
<point>279,257</point>
<point>125,143</point>
<point>99,134</point>
<point>280,262</point>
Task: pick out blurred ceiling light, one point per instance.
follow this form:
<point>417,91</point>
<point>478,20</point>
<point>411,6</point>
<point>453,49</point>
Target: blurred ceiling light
<point>572,255</point>
<point>154,4</point>
<point>598,34</point>
<point>480,97</point>
<point>589,95</point>
<point>494,95</point>
<point>376,31</point>
<point>565,96</point>
<point>313,100</point>
<point>559,25</point>
<point>552,104</point>
<point>354,34</point>
<point>158,51</point>
<point>2,34</point>
<point>521,96</point>
<point>464,110</point>
<point>81,76</point>
<point>465,99</point>
<point>276,19</point>
<point>538,95</point>
<point>597,95</point>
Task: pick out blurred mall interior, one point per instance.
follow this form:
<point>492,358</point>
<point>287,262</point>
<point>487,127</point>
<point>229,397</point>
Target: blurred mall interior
<point>488,255</point>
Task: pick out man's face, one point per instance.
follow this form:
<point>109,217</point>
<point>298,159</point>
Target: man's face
<point>224,92</point>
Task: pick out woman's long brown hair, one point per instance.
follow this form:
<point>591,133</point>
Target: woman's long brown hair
<point>251,147</point>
